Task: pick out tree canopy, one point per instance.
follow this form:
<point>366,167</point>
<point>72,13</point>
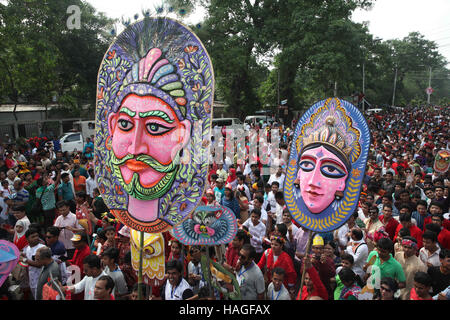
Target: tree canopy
<point>263,51</point>
<point>42,59</point>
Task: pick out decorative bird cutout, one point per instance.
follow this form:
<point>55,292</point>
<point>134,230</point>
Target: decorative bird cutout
<point>208,225</point>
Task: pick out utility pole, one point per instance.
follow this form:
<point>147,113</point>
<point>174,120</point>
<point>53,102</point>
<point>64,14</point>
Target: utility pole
<point>335,88</point>
<point>278,93</point>
<point>363,85</point>
<point>278,87</point>
<point>429,86</point>
<point>395,84</point>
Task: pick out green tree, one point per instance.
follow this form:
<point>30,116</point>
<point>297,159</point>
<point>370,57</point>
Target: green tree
<point>42,58</point>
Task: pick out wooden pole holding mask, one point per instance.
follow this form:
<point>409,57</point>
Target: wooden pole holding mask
<point>308,249</point>
<point>209,275</point>
<point>141,259</point>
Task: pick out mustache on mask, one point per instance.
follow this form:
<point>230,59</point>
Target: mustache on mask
<point>148,160</point>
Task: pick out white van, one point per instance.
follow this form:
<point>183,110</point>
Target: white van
<point>71,141</point>
<point>374,110</point>
<point>252,120</point>
<point>229,123</point>
<point>87,128</point>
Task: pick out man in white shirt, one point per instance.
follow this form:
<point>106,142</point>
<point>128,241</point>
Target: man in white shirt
<point>429,253</point>
<point>11,177</point>
<point>28,257</point>
<point>359,250</point>
<point>341,235</point>
<point>280,203</point>
<point>91,183</point>
<point>175,287</point>
<point>387,167</point>
<point>257,230</point>
<point>278,177</point>
<point>93,271</point>
<point>68,224</point>
<point>291,227</point>
<point>241,184</point>
<point>258,203</point>
<point>271,195</point>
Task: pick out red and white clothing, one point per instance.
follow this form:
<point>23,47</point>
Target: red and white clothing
<point>390,226</point>
<point>270,261</point>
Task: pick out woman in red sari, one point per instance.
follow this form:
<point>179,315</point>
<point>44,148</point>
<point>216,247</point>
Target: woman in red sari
<point>276,257</point>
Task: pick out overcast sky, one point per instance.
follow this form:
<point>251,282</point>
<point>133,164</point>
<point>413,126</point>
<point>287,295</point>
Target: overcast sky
<point>388,19</point>
<point>395,19</point>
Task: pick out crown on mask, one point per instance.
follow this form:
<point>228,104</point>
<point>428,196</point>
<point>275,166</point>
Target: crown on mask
<point>329,134</point>
<point>330,125</point>
<point>155,75</point>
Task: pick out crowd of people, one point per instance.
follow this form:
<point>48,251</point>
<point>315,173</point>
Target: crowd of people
<point>396,245</point>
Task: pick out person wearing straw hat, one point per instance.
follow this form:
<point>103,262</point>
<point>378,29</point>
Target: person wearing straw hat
<point>79,241</point>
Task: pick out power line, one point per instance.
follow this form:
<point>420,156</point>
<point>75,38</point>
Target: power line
<point>441,39</point>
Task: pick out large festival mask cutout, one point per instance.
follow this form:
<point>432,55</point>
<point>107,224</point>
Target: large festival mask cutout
<point>155,92</point>
<point>442,161</point>
<point>327,160</point>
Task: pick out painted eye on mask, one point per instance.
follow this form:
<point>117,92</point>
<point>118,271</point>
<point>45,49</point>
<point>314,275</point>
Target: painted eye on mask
<point>307,165</point>
<point>331,170</point>
<point>157,129</point>
<point>125,125</point>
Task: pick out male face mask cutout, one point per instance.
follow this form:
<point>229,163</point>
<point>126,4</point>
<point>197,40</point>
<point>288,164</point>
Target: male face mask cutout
<point>141,127</point>
<point>153,119</point>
